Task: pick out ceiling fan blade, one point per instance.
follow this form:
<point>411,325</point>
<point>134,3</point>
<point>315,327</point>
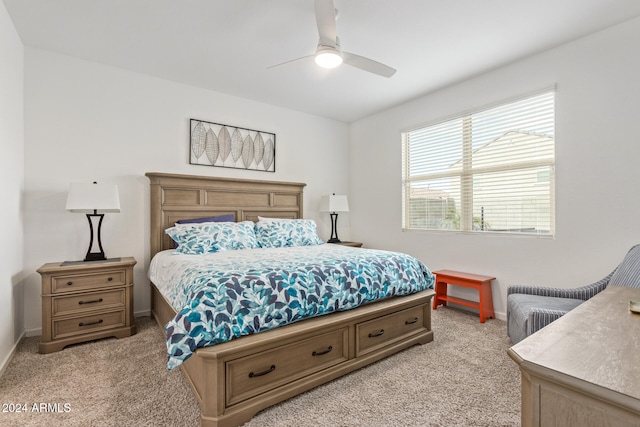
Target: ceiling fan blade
<point>290,61</point>
<point>326,20</point>
<point>367,64</point>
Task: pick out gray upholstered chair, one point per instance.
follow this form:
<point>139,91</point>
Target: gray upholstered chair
<point>531,308</point>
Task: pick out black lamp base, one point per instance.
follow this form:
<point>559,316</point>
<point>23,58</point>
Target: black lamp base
<point>334,229</point>
<point>96,255</point>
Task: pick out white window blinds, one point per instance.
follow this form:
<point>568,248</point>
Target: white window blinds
<point>486,171</point>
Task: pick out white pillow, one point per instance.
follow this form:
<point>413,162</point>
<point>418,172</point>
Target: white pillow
<point>267,219</point>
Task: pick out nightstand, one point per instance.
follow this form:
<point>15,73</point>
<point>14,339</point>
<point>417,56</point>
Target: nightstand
<point>354,244</point>
<point>84,301</point>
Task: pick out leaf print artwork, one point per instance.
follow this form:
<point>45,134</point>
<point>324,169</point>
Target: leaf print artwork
<point>211,146</point>
<point>247,153</point>
<point>258,147</point>
<point>230,146</point>
<point>269,154</point>
<point>198,140</point>
<point>236,145</point>
<point>224,139</point>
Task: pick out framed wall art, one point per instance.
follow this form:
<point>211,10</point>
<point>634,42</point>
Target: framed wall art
<point>214,144</point>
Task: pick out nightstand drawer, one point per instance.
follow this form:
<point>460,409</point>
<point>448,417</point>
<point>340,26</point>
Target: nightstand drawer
<point>88,301</point>
<point>87,281</point>
<point>90,323</point>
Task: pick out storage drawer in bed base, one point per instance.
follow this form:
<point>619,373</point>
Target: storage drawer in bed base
<point>211,369</point>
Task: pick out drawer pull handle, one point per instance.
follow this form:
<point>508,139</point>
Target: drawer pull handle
<point>69,283</point>
<point>412,321</point>
<point>259,374</point>
<point>377,334</point>
<point>90,302</point>
<point>90,323</point>
<point>110,279</point>
<point>320,353</point>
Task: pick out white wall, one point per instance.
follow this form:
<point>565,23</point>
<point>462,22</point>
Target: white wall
<point>85,121</point>
<point>597,152</point>
<point>11,184</point>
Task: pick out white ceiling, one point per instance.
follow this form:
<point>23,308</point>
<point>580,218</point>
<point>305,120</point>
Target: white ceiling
<point>227,45</point>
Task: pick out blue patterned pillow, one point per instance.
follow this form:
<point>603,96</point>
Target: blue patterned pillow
<point>213,237</point>
<point>193,240</point>
<point>219,218</point>
<point>293,232</point>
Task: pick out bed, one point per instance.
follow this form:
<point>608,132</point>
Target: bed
<point>233,380</point>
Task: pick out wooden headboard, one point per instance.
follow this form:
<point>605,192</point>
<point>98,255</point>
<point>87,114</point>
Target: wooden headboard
<point>175,197</point>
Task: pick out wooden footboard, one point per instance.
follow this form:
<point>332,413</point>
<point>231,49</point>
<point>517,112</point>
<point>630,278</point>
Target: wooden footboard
<point>235,380</point>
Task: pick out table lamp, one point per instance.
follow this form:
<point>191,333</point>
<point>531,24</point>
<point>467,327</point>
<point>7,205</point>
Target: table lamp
<point>334,203</point>
<point>94,200</point>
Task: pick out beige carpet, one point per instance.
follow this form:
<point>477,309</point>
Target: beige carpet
<point>463,378</point>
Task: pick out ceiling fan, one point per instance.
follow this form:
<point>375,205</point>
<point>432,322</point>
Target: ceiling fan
<point>328,53</point>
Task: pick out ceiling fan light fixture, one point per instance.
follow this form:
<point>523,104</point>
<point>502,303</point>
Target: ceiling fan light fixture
<point>328,58</point>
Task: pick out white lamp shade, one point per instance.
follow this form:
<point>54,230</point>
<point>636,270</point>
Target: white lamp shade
<point>334,203</point>
<point>87,198</point>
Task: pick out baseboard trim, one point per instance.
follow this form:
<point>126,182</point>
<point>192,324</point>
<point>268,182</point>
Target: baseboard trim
<point>498,314</point>
<point>9,357</point>
<point>36,332</point>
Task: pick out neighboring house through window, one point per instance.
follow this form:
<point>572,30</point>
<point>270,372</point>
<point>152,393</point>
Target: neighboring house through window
<point>485,171</point>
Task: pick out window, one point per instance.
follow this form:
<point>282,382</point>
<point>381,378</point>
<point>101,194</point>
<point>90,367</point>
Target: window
<point>485,171</point>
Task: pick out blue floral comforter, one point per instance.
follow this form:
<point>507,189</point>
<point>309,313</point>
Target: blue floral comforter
<point>225,295</point>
